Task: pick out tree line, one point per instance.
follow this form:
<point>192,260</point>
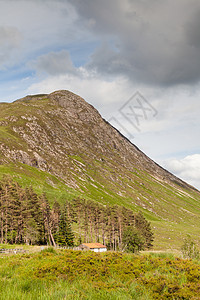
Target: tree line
<point>115,226</point>
<point>26,217</point>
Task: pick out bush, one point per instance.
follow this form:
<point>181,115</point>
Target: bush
<point>189,249</point>
<point>133,241</point>
<point>48,250</point>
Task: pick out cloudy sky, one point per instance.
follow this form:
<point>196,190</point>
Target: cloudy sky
<point>136,61</point>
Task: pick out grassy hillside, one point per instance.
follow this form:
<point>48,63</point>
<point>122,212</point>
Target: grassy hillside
<point>67,274</point>
<point>168,235</point>
<point>60,145</point>
<point>41,181</point>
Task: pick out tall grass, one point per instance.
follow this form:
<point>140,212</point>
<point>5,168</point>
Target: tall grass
<point>67,274</point>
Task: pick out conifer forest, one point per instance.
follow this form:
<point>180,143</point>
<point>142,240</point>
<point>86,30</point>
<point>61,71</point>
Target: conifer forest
<point>27,218</point>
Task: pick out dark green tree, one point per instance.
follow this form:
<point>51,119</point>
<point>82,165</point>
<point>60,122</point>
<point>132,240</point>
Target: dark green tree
<point>34,218</point>
<point>132,239</point>
<point>144,227</point>
<point>64,235</point>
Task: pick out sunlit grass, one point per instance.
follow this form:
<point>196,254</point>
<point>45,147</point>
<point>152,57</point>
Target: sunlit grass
<point>66,274</point>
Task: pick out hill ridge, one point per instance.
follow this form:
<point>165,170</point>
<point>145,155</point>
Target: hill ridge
<point>64,136</point>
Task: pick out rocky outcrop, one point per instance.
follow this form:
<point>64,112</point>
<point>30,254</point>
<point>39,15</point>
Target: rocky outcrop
<point>62,134</point>
<point>52,129</point>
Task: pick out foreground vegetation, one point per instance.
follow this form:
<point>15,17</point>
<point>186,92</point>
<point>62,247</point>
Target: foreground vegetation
<point>67,274</point>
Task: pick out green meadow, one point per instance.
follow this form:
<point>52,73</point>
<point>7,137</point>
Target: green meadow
<point>67,274</point>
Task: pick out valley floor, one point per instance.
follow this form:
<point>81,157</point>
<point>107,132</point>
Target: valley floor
<point>65,274</point>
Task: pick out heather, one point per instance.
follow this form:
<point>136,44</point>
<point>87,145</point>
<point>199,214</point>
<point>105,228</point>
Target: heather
<point>67,274</point>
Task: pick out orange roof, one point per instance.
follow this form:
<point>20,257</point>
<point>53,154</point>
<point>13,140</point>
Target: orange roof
<point>94,245</point>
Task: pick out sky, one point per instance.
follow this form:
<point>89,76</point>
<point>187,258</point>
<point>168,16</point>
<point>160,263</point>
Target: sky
<point>136,61</point>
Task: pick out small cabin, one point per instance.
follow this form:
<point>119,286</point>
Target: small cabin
<point>96,247</point>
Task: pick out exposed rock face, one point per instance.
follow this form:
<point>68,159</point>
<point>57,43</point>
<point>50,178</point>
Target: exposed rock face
<point>100,138</point>
<point>62,134</point>
<point>69,126</point>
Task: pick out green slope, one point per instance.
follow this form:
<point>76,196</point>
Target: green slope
<point>59,144</point>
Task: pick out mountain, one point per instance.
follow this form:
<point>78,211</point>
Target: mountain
<point>60,144</point>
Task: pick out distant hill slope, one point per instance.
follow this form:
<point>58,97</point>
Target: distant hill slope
<point>60,144</point>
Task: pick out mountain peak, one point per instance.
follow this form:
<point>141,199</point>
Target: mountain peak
<point>75,105</point>
<point>64,98</point>
<point>63,135</point>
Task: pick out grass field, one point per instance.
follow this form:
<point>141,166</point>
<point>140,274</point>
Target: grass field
<point>66,274</point>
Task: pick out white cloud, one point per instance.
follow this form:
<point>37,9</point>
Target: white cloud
<point>102,93</point>
<point>44,26</point>
<point>151,42</point>
<point>187,168</point>
<point>55,63</point>
<point>154,42</point>
<point>10,39</point>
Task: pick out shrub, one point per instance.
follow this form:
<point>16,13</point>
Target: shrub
<point>189,249</point>
<point>133,241</point>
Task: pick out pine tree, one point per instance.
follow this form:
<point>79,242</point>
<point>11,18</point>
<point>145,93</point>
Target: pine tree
<point>64,235</point>
<point>133,241</point>
<point>78,209</point>
<point>144,228</point>
<point>47,220</point>
<point>34,218</point>
<point>102,224</point>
